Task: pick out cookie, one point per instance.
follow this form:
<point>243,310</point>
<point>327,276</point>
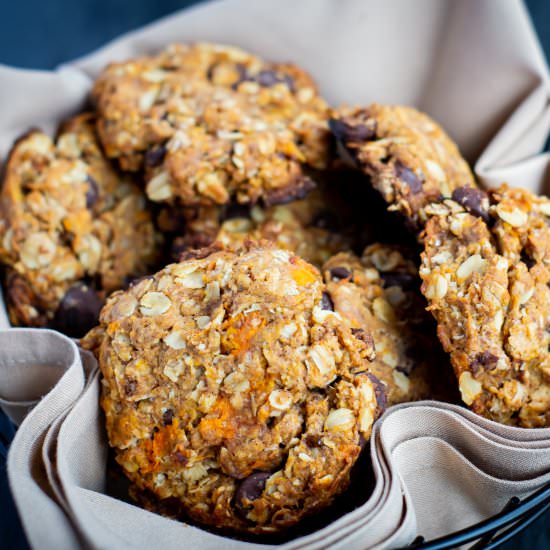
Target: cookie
<point>379,294</point>
<point>212,123</point>
<point>280,225</point>
<point>407,156</point>
<point>284,225</point>
<point>485,272</point>
<point>231,393</point>
<point>71,229</point>
<point>325,222</point>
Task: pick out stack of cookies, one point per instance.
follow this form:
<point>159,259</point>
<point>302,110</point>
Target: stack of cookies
<point>260,275</point>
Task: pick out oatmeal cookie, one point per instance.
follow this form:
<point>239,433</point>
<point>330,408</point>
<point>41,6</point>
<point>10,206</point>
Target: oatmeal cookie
<point>408,158</point>
<point>231,393</point>
<point>486,273</point>
<point>211,123</point>
<point>71,229</point>
<point>325,222</point>
<point>379,294</point>
<point>281,224</point>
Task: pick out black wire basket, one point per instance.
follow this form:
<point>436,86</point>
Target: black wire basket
<point>496,530</point>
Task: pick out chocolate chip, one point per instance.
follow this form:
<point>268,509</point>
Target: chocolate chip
<point>363,335</point>
<point>405,174</point>
<point>92,195</point>
<point>167,417</point>
<point>406,281</point>
<point>475,201</point>
<point>78,311</point>
<point>154,157</point>
<point>348,133</point>
<point>250,489</point>
<point>293,192</point>
<point>242,72</point>
<point>313,441</point>
<point>485,359</point>
<point>326,302</point>
<point>380,393</point>
<point>129,388</point>
<point>267,78</point>
<point>180,457</point>
<point>338,273</point>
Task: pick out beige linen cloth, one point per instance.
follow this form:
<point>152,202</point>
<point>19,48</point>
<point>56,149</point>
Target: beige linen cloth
<point>476,66</point>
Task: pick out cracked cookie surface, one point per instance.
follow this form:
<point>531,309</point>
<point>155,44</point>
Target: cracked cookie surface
<point>379,294</point>
<point>230,392</point>
<point>211,123</point>
<point>486,269</point>
<point>71,229</point>
<point>407,156</point>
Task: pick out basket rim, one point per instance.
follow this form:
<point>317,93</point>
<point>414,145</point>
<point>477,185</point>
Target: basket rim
<point>517,514</point>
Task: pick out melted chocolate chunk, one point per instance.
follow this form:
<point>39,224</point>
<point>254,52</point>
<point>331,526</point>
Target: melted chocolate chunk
<point>338,273</point>
<point>486,360</point>
<point>380,393</point>
<point>154,157</point>
<point>475,201</point>
<point>250,488</point>
<point>405,174</point>
<point>92,195</point>
<point>167,417</point>
<point>78,311</point>
<point>293,192</point>
<point>326,302</point>
<point>347,133</point>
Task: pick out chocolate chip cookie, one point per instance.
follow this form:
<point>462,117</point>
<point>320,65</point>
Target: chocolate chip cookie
<point>212,123</point>
<point>325,222</point>
<point>232,392</point>
<point>406,155</point>
<point>71,229</point>
<point>379,294</point>
<point>486,273</point>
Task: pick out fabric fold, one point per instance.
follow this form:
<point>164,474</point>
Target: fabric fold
<point>436,467</point>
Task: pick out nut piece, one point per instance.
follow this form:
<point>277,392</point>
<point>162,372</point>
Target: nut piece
<point>512,215</point>
<point>469,387</point>
<point>471,265</point>
<point>437,287</point>
<point>340,420</point>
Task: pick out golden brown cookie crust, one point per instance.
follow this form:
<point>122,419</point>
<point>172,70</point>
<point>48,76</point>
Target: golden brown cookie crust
<point>66,216</point>
<point>486,273</point>
<point>379,294</point>
<point>211,123</point>
<point>407,156</point>
<point>229,388</point>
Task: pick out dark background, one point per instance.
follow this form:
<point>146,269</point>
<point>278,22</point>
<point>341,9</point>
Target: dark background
<point>41,34</point>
